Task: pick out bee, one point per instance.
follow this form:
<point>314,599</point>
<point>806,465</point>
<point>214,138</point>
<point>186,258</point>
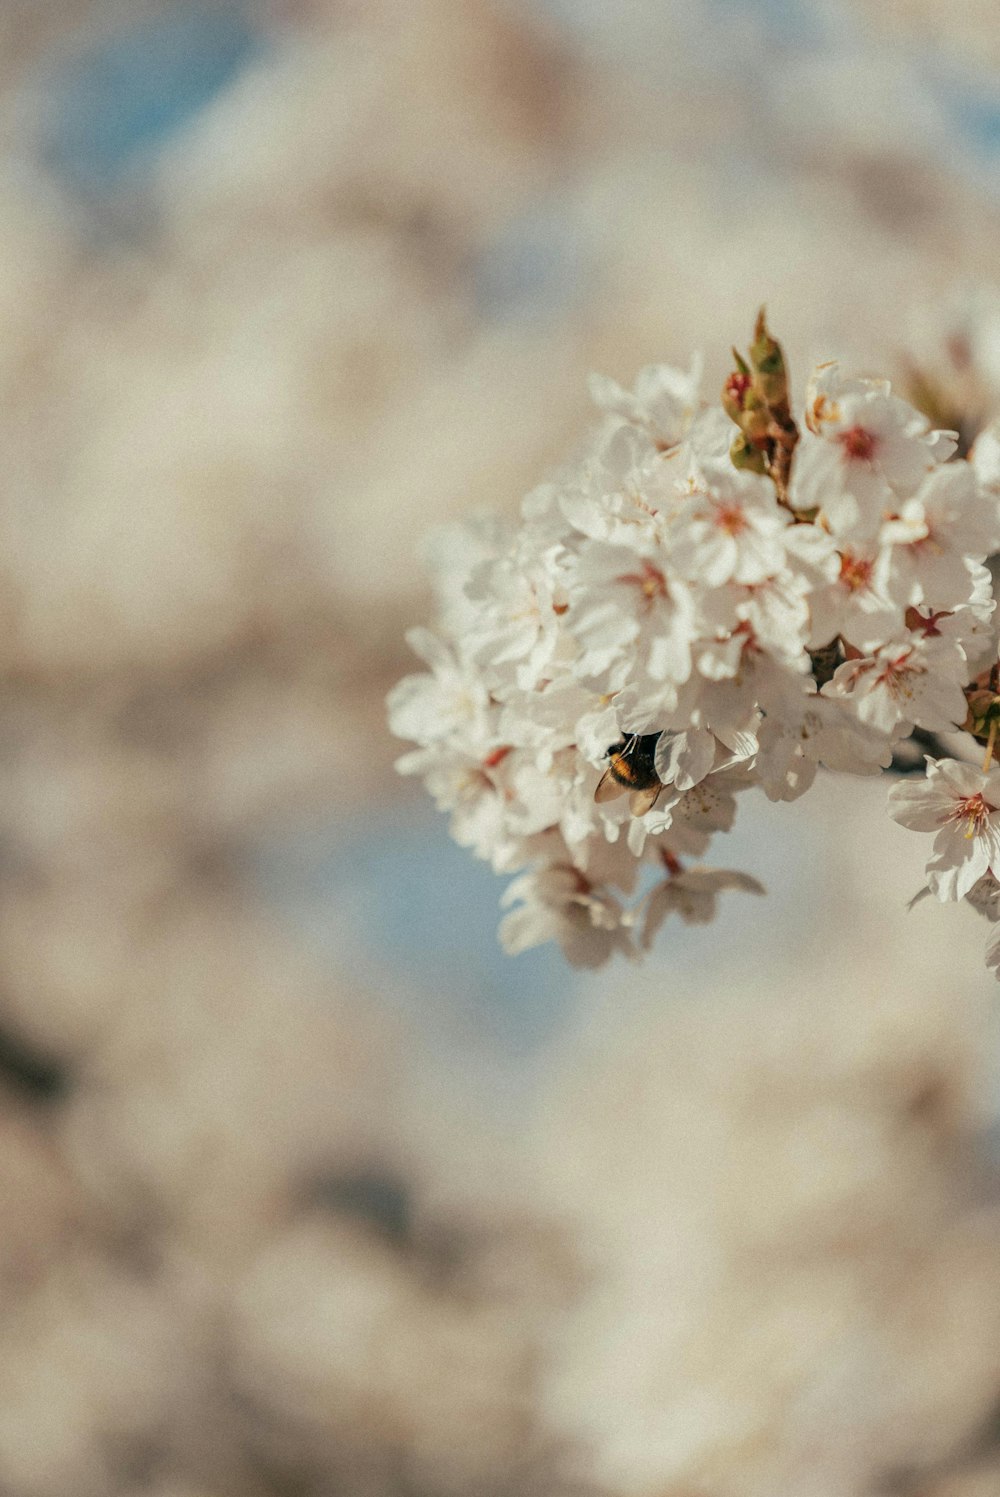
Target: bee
<point>632,771</point>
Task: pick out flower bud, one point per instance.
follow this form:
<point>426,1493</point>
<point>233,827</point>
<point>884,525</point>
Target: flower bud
<point>755,419</point>
<point>734,392</point>
<point>984,708</point>
<point>769,364</point>
<point>745,456</point>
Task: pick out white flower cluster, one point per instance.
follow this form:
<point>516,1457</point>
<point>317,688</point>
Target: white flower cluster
<point>667,627</point>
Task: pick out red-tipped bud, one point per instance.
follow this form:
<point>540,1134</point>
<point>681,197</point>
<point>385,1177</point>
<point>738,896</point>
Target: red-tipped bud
<point>734,393</point>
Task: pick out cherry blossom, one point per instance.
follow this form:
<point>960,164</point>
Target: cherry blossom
<point>911,680</point>
<point>712,600</point>
<point>961,805</point>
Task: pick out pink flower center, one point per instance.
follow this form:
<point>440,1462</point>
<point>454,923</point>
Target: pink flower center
<point>855,572</point>
<point>650,581</point>
<point>895,675</point>
<point>858,443</point>
<point>975,810</point>
<point>730,518</point>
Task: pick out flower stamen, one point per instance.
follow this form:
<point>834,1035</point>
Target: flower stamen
<point>855,572</point>
<point>650,581</point>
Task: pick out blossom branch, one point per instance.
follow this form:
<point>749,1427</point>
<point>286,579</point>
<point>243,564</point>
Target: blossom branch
<point>687,616</point>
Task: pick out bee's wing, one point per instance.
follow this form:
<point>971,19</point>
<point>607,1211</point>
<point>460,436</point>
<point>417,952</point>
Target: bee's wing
<point>608,788</point>
<point>641,801</point>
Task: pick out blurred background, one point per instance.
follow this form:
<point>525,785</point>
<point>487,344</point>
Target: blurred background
<point>306,1189</point>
